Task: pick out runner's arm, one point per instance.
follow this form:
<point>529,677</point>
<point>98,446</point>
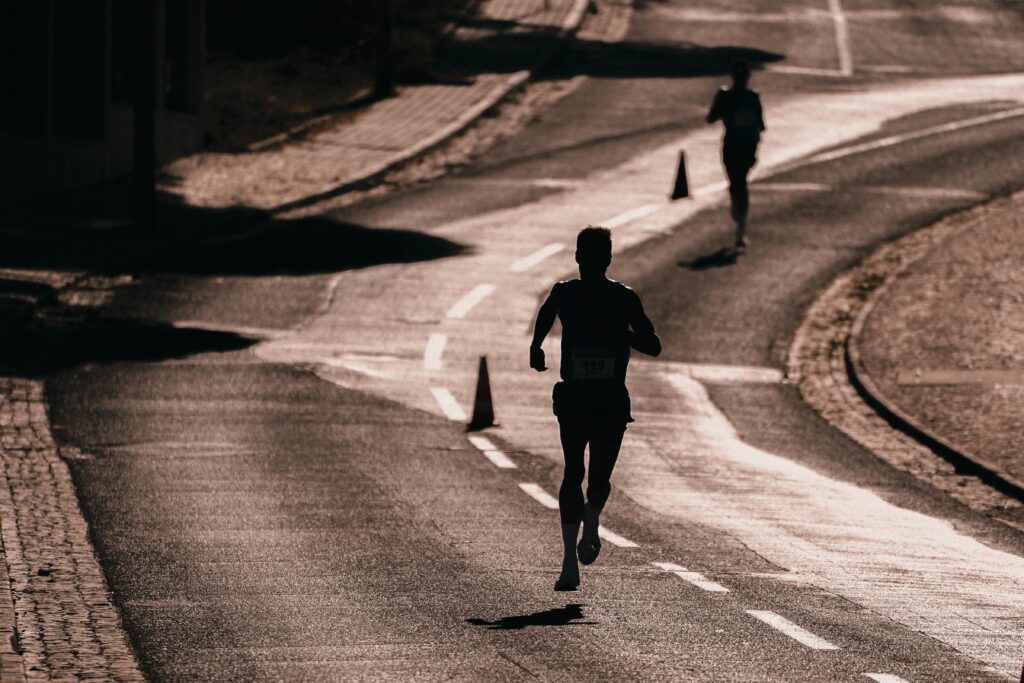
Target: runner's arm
<point>714,114</point>
<point>642,337</point>
<point>545,319</point>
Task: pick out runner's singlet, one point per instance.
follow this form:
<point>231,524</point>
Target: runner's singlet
<point>595,333</point>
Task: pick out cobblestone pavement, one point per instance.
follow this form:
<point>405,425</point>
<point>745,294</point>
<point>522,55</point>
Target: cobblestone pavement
<point>944,343</point>
<point>387,133</point>
<point>817,357</point>
<point>67,626</point>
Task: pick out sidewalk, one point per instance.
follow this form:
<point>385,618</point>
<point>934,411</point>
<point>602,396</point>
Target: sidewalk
<point>940,349</point>
<point>325,160</point>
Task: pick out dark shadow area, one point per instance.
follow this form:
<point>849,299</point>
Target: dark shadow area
<point>46,346</point>
<point>726,256</point>
<point>91,230</point>
<point>510,52</point>
<point>562,616</point>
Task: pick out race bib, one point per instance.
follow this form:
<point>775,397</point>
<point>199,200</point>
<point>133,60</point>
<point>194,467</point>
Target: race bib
<point>589,365</point>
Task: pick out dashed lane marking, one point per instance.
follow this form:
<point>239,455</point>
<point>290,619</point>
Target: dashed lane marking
<point>536,257</point>
<point>886,678</point>
<point>470,299</point>
<point>540,495</point>
<point>631,215</point>
<point>491,452</point>
<point>434,351</point>
<point>696,578</point>
<point>449,406</point>
<point>608,535</point>
<point>893,140</point>
<point>790,629</point>
<point>842,28</point>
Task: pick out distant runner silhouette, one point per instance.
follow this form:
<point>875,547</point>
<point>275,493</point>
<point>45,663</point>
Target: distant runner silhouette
<point>601,320</point>
<point>739,110</point>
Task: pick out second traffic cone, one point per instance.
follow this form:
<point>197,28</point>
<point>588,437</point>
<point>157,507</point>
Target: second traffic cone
<point>682,187</point>
<point>483,406</point>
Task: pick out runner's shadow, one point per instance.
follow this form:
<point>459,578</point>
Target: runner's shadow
<point>726,256</point>
<point>563,616</point>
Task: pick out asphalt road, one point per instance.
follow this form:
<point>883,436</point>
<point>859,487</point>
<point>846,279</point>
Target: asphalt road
<point>301,509</point>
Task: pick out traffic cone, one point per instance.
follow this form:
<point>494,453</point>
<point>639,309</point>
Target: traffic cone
<point>681,188</point>
<point>483,406</point>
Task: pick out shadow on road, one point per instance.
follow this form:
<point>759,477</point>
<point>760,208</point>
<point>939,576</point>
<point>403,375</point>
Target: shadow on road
<point>510,52</point>
<point>726,256</point>
<point>562,616</point>
<point>92,231</point>
<point>45,346</point>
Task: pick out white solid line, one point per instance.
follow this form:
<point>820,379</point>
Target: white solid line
<point>491,452</point>
<point>614,538</point>
<point>631,215</point>
<point>536,257</point>
<point>540,495</point>
<point>924,132</point>
<point>804,71</point>
<point>482,443</point>
<point>470,299</point>
<point>499,459</point>
<point>886,678</point>
<point>434,351</point>
<point>449,406</point>
<point>790,629</point>
<point>696,578</point>
<point>842,37</point>
<point>732,374</point>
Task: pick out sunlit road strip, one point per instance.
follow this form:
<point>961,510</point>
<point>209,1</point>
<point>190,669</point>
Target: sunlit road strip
<point>550,502</point>
<point>924,192</point>
<point>474,296</point>
<point>695,578</point>
<point>449,406</point>
<point>893,140</point>
<point>886,678</point>
<point>491,452</point>
<point>536,257</point>
<point>790,629</point>
<point>842,37</point>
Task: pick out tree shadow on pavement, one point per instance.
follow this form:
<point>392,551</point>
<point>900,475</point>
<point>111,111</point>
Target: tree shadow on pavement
<point>511,52</point>
<point>726,256</point>
<point>45,345</point>
<point>92,231</point>
<point>562,616</point>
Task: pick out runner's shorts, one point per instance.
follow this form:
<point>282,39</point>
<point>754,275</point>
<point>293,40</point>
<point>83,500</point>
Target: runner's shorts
<point>598,411</point>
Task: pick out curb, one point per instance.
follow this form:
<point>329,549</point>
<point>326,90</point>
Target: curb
<point>962,459</point>
<point>571,24</point>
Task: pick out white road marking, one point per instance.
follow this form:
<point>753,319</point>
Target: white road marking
<point>434,351</point>
<point>790,629</point>
<point>449,406</point>
<point>631,215</point>
<point>842,37</point>
<point>491,452</point>
<point>358,366</point>
<point>613,538</point>
<point>803,71</point>
<point>697,579</point>
<point>886,678</point>
<point>470,299</point>
<point>893,140</point>
<point>540,495</point>
<point>731,374</point>
<point>924,192</point>
<point>536,257</point>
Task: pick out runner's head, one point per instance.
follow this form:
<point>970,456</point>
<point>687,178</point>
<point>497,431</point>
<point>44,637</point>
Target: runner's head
<point>593,251</point>
<point>740,73</point>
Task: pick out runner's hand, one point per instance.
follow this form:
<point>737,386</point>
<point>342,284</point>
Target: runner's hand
<point>537,359</point>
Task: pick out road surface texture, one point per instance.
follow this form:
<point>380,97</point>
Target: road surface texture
<point>296,498</point>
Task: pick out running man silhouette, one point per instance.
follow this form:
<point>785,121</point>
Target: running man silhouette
<point>739,110</point>
<point>601,320</point>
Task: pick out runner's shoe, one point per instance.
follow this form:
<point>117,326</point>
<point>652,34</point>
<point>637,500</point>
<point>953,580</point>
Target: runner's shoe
<point>568,580</point>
